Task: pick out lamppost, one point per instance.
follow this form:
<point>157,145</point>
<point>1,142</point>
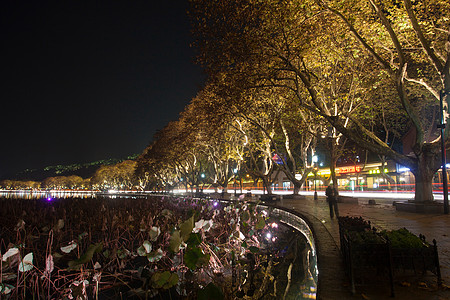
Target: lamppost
<point>234,185</point>
<point>442,124</point>
<point>314,160</point>
<point>203,182</point>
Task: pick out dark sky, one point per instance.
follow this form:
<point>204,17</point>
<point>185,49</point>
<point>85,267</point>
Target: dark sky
<point>83,81</point>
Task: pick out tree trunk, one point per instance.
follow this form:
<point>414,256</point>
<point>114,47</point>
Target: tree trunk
<point>266,184</point>
<point>297,187</point>
<point>424,187</point>
<point>427,164</point>
<point>333,160</point>
<point>423,183</point>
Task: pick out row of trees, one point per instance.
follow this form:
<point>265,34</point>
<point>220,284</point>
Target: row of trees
<point>285,77</point>
<point>118,176</point>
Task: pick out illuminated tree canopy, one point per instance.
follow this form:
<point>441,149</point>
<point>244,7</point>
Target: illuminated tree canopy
<point>340,59</point>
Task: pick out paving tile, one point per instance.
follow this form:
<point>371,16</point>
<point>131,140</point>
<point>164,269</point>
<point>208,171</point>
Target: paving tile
<point>333,283</point>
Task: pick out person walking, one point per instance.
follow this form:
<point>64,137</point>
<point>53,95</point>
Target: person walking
<point>332,196</point>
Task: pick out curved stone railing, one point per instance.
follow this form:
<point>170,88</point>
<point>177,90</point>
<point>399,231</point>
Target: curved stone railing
<point>295,222</point>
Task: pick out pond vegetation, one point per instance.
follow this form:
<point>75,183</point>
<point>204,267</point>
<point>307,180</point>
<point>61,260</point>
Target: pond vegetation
<point>178,248</point>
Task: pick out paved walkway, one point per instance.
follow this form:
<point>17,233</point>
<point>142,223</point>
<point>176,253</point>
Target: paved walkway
<point>333,283</point>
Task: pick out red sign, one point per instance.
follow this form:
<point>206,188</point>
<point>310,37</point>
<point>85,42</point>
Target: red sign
<point>351,169</point>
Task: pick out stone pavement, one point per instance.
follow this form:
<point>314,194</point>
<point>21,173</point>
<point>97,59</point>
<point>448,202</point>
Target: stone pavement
<point>333,283</point>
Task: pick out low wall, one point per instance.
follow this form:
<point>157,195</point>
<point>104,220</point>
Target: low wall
<point>423,208</point>
<point>347,199</point>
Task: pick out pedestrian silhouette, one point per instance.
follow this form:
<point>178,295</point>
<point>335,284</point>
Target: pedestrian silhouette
<point>332,195</point>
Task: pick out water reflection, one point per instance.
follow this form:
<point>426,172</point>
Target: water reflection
<point>49,195</point>
<point>52,194</point>
<point>308,288</point>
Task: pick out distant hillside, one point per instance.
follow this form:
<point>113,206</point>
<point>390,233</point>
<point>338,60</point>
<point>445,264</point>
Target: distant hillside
<point>84,170</point>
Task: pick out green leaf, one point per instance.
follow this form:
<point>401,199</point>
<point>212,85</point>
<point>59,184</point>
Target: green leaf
<point>245,216</point>
<point>244,244</point>
<point>194,257</point>
<point>166,213</point>
<point>82,235</point>
<point>211,291</point>
<point>122,253</point>
<point>145,248</point>
<point>141,251</point>
<point>261,223</point>
<point>164,280</point>
<point>106,253</point>
<point>67,249</point>
<point>5,288</point>
<point>253,249</point>
<point>86,257</point>
<point>203,260</point>
<point>59,225</point>
<point>27,263</point>
<point>186,228</point>
<point>194,240</point>
<point>175,241</point>
<point>155,256</point>
<point>154,233</point>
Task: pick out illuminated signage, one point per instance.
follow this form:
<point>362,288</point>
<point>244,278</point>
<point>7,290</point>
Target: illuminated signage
<point>351,169</point>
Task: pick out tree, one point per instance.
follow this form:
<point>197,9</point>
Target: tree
<point>414,57</point>
<point>332,56</point>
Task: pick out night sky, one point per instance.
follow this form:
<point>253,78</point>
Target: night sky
<point>83,81</point>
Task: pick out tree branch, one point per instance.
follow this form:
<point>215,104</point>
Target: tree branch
<point>426,46</point>
<point>352,29</point>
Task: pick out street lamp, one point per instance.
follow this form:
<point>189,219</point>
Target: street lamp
<point>315,182</point>
<point>234,185</point>
<point>442,94</point>
<point>314,160</point>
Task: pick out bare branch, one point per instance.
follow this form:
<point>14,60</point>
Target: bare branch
<point>424,84</point>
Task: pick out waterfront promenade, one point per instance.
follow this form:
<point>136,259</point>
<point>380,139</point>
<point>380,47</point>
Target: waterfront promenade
<point>335,285</point>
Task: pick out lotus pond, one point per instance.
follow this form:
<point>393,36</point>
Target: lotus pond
<point>157,247</point>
